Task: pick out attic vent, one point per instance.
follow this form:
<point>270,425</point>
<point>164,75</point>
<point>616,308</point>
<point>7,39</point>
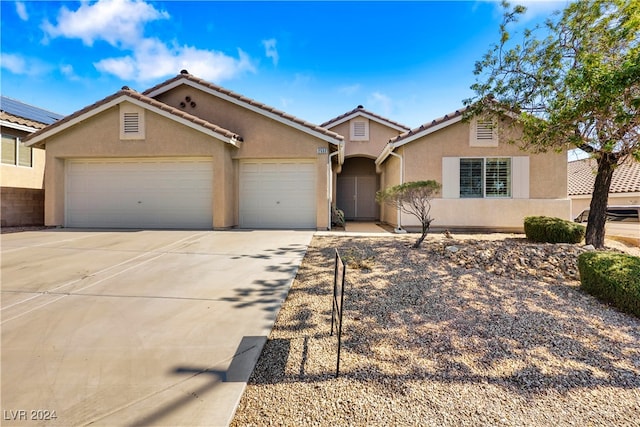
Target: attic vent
<point>360,130</point>
<point>131,123</point>
<point>484,130</point>
<point>482,133</point>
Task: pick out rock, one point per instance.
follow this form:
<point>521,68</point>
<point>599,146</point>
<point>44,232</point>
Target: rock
<point>589,248</point>
<point>452,249</point>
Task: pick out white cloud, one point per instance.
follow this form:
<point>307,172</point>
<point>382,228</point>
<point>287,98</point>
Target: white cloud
<point>270,50</point>
<point>23,65</point>
<point>21,10</point>
<point>68,71</point>
<point>118,22</point>
<point>14,63</point>
<point>152,59</point>
<point>121,23</point>
<point>381,103</point>
<point>349,90</point>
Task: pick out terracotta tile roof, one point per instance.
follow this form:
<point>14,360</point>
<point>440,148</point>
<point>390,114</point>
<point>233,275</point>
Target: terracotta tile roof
<point>582,175</point>
<point>248,101</point>
<point>361,109</point>
<point>20,120</point>
<point>125,91</point>
<point>427,126</point>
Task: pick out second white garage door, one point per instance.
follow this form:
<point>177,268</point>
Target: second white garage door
<point>277,194</point>
<point>140,193</point>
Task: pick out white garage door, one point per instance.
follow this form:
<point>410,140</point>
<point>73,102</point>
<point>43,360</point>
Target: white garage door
<point>277,194</point>
<point>139,193</point>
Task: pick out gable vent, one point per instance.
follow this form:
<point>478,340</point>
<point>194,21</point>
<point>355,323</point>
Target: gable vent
<point>484,130</point>
<point>359,129</point>
<point>131,123</point>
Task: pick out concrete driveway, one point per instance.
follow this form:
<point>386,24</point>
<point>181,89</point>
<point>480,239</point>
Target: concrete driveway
<point>137,327</point>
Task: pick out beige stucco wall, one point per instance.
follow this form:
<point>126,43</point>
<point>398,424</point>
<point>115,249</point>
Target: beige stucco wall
<point>379,136</point>
<point>21,176</point>
<point>423,161</point>
<point>25,177</point>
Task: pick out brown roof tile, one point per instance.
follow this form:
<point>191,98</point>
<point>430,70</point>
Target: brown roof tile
<point>582,176</point>
<point>429,125</point>
<point>249,101</point>
<point>20,120</point>
<point>145,99</point>
<point>361,109</point>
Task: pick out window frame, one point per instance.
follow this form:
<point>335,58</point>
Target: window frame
<point>17,156</point>
<point>464,194</point>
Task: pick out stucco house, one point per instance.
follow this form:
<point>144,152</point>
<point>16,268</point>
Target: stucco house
<point>487,183</point>
<point>22,169</point>
<point>190,154</point>
<point>624,190</point>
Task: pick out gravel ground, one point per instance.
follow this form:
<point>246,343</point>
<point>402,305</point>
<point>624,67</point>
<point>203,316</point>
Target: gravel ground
<point>493,332</point>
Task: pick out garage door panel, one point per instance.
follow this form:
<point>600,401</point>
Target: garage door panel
<point>140,193</point>
<point>277,195</point>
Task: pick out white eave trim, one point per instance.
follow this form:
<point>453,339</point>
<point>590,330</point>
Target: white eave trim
<point>18,126</point>
<point>370,117</point>
<point>392,146</point>
<point>233,141</point>
<point>248,106</point>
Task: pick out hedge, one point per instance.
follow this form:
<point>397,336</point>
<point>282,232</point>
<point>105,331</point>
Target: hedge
<point>612,277</point>
<point>553,230</point>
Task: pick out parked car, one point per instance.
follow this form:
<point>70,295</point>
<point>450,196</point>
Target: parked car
<point>615,213</point>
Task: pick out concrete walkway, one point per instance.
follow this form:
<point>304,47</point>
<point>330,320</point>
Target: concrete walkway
<point>137,327</point>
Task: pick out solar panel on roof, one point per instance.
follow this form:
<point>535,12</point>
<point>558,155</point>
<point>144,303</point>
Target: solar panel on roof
<point>20,109</point>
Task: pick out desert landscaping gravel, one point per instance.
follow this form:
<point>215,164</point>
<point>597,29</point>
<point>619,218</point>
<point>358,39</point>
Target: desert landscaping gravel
<point>465,331</point>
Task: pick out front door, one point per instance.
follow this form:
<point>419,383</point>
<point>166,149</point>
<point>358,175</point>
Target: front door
<point>356,196</point>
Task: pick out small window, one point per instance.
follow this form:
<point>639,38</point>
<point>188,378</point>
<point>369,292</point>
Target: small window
<point>489,177</point>
<point>131,121</point>
<point>15,152</point>
<point>359,130</point>
<point>471,177</point>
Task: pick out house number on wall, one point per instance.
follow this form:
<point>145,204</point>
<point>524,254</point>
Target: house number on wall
<point>323,150</point>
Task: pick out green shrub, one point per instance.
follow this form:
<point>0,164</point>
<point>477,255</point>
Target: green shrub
<point>612,277</point>
<point>553,230</point>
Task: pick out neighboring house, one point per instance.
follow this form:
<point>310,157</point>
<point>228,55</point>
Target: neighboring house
<point>190,154</point>
<point>487,183</point>
<point>22,173</point>
<point>624,190</point>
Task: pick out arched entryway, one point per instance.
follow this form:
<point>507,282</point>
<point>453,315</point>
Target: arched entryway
<point>356,189</point>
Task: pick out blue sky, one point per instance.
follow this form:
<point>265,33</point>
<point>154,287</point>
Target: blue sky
<point>408,61</point>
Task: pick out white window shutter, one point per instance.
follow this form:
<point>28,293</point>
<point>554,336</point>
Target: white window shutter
<point>450,177</point>
<point>520,176</point>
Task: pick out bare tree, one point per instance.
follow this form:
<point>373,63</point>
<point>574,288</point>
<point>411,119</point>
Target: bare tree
<point>413,198</point>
